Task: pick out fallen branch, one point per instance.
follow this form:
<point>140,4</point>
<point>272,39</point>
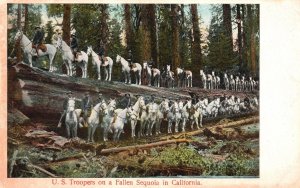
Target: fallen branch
<point>155,144</point>
<point>225,125</point>
<point>42,170</point>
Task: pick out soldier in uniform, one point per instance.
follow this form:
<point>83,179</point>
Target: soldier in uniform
<point>38,38</point>
<point>130,59</point>
<point>100,98</point>
<point>86,106</point>
<point>101,52</point>
<point>65,106</point>
<point>74,46</point>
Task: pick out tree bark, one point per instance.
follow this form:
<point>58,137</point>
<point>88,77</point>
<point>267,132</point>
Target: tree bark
<point>128,28</point>
<point>238,17</point>
<point>196,48</point>
<point>252,39</point>
<point>152,29</point>
<point>227,23</point>
<point>67,23</point>
<point>104,31</point>
<point>26,19</point>
<point>175,37</point>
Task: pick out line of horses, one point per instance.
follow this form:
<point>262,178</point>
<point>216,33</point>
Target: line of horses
<point>151,76</point>
<point>177,113</point>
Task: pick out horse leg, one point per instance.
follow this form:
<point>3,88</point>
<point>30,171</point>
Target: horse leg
<point>90,131</point>
<point>183,125</point>
<point>110,70</point>
<point>68,130</point>
<point>119,133</point>
<point>106,74</point>
<point>133,124</point>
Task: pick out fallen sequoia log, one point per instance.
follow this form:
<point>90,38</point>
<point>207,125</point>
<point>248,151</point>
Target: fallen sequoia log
<point>39,93</point>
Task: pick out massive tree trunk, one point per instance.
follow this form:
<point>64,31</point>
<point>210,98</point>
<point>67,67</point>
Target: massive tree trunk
<point>227,23</point>
<point>67,23</point>
<point>104,31</point>
<point>128,28</point>
<point>196,48</point>
<point>252,39</point>
<point>26,19</point>
<point>152,29</point>
<point>238,17</point>
<point>175,37</point>
<point>244,41</point>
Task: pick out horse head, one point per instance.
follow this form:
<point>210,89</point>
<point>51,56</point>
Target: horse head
<point>118,59</point>
<point>141,102</point>
<point>112,104</point>
<point>145,65</point>
<point>168,67</point>
<point>18,36</point>
<point>71,105</point>
<point>89,50</point>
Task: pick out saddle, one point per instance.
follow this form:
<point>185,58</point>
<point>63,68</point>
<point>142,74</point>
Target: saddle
<point>42,47</point>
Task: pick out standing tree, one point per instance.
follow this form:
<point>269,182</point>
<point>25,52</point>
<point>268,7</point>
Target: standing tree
<point>104,31</point>
<point>227,23</point>
<point>175,37</point>
<point>128,28</point>
<point>152,29</point>
<point>239,25</point>
<point>66,25</point>
<point>196,48</point>
<point>25,19</point>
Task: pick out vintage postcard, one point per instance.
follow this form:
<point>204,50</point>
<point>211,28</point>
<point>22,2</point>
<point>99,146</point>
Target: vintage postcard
<point>145,95</point>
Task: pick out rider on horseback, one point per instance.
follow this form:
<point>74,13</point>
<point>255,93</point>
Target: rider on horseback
<point>86,107</point>
<point>74,46</point>
<point>101,52</point>
<point>130,59</point>
<point>37,39</point>
<point>65,106</point>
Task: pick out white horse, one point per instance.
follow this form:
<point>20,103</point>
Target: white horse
<point>232,83</point>
<point>174,116</point>
<point>168,77</point>
<point>26,45</point>
<point>209,81</point>
<point>162,111</point>
<point>118,125</point>
<point>68,58</point>
<point>108,117</point>
<point>136,69</point>
<point>203,79</point>
<point>108,64</point>
<point>185,113</point>
<point>152,117</point>
<point>71,120</point>
<point>213,108</point>
<point>134,114</point>
<point>196,115</point>
<point>93,119</point>
<point>226,81</point>
<point>184,77</point>
<point>237,83</point>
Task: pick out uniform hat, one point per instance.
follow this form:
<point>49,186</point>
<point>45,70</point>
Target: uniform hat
<point>37,27</point>
<point>69,92</point>
<point>73,34</point>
